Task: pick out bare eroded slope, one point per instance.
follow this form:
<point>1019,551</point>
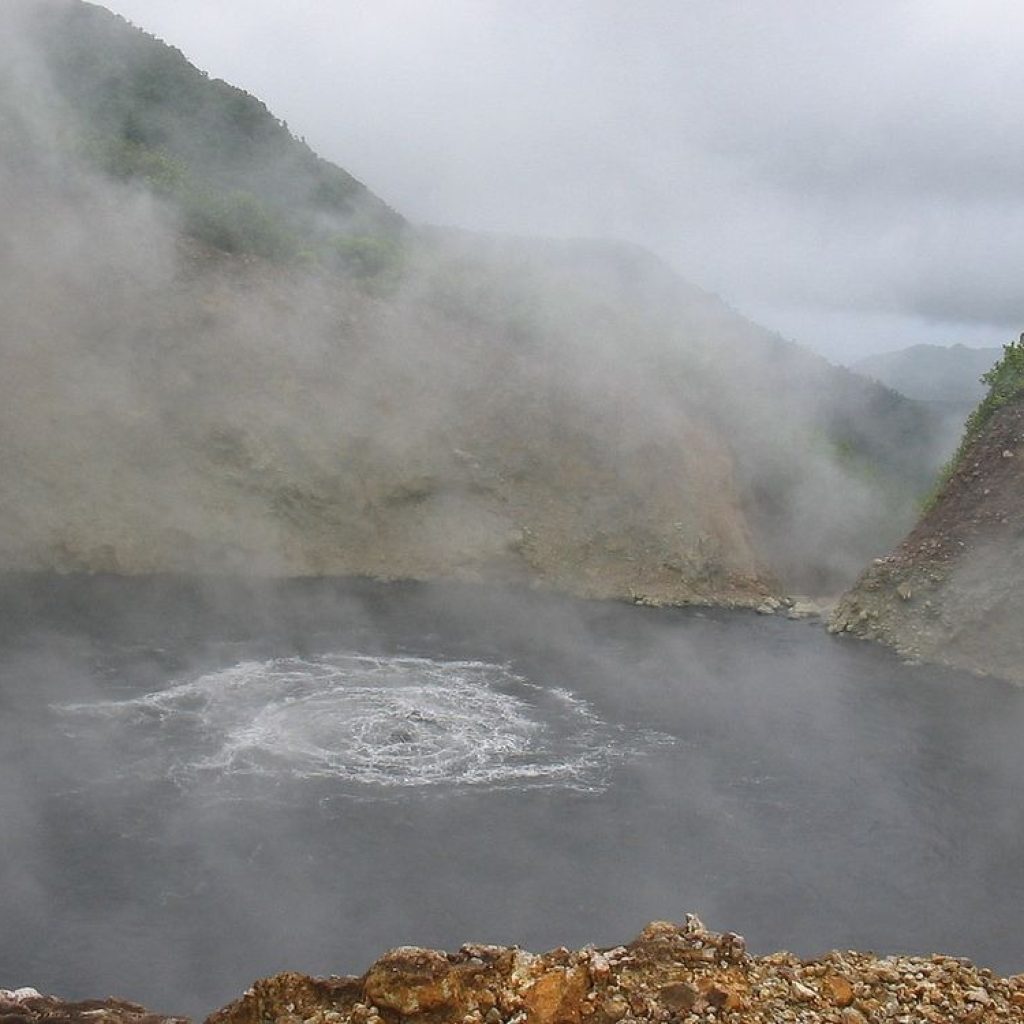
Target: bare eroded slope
<point>952,591</point>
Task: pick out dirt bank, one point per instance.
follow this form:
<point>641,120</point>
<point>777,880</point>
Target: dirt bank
<point>951,592</point>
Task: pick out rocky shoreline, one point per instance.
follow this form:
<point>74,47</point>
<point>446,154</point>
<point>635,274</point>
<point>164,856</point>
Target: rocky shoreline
<point>669,973</point>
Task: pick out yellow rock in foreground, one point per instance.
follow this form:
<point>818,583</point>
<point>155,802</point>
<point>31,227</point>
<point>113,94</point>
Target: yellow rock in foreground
<point>669,973</point>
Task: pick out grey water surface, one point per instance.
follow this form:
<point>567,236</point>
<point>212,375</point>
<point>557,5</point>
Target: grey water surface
<point>207,782</point>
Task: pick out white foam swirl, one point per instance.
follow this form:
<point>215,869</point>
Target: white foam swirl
<point>368,721</point>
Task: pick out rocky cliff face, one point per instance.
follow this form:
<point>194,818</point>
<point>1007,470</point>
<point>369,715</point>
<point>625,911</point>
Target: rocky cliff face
<point>951,592</point>
<point>668,973</point>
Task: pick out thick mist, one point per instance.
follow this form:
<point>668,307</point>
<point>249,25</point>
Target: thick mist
<point>570,413</point>
<point>565,412</point>
<point>844,175</point>
<point>265,514</point>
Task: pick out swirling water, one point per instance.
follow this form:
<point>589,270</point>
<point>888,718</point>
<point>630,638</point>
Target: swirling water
<point>362,722</point>
<point>202,784</point>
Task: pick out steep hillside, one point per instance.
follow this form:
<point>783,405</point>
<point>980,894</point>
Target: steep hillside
<point>128,104</point>
<point>170,407</point>
<point>951,592</point>
<point>222,354</point>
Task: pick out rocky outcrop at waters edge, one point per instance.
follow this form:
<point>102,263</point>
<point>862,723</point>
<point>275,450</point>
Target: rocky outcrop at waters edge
<point>951,592</point>
<point>668,973</point>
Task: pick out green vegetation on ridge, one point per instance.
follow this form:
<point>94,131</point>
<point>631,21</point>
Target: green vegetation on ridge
<point>1005,383</point>
<point>240,180</point>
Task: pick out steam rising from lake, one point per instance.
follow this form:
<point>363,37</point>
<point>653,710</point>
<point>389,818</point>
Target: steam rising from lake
<point>202,784</point>
<point>362,721</point>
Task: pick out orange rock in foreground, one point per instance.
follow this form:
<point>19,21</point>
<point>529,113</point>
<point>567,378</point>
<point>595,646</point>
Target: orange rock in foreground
<point>669,973</point>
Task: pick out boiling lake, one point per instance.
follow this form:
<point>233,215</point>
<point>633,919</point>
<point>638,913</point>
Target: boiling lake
<point>204,782</point>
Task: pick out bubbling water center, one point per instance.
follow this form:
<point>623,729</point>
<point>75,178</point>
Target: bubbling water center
<point>363,721</point>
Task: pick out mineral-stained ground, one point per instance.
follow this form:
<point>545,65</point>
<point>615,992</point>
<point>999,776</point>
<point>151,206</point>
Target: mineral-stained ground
<point>684,974</point>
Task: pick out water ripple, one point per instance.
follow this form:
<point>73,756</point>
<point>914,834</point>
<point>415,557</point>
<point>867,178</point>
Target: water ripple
<point>365,721</point>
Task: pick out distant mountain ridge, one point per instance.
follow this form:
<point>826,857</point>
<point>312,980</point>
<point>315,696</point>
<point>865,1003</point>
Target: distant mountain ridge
<point>933,373</point>
<point>946,379</point>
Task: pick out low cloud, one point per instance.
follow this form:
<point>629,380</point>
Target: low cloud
<point>859,161</point>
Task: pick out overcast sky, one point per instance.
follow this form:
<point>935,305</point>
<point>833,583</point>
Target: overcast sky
<point>850,174</point>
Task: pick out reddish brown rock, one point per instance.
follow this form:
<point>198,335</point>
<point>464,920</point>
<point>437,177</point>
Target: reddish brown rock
<point>556,997</point>
<point>412,981</point>
<point>670,973</point>
<point>679,996</point>
<point>838,989</point>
